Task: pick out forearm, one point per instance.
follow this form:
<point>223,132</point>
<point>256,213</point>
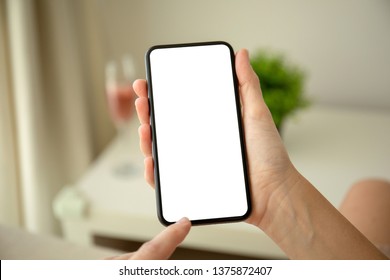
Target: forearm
<point>306,226</point>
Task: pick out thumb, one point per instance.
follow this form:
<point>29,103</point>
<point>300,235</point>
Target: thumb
<point>164,244</point>
<point>250,91</point>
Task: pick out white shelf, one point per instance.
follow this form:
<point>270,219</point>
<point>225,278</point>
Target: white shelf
<point>335,147</point>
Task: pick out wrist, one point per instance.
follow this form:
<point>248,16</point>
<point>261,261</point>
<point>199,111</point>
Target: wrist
<point>287,220</point>
<point>269,193</point>
<point>280,203</point>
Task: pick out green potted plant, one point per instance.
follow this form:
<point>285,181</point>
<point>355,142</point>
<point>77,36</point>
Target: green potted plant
<point>281,84</point>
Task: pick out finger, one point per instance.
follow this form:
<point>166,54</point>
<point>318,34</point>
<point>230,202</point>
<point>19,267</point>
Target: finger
<point>145,139</point>
<point>164,244</point>
<point>121,257</point>
<point>149,171</point>
<point>142,108</point>
<point>140,87</point>
<point>250,90</point>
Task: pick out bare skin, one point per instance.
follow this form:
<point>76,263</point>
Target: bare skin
<point>161,246</point>
<point>367,206</point>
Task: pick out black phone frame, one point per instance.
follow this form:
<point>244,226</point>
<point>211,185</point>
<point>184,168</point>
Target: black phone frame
<point>154,136</point>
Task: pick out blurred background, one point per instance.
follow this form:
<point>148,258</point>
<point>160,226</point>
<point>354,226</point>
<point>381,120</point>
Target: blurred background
<point>54,117</point>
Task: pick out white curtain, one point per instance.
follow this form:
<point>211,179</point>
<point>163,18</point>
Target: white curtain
<point>9,188</point>
<point>53,119</point>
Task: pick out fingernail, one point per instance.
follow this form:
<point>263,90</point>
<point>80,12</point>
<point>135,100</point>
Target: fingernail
<point>183,220</point>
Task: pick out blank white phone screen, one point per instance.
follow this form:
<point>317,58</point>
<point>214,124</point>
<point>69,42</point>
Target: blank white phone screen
<point>199,155</point>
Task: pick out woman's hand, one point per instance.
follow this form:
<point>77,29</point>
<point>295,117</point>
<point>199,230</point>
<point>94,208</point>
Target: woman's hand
<point>162,246</point>
<point>269,165</point>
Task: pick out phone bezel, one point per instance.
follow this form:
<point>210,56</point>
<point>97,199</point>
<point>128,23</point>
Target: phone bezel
<point>154,136</point>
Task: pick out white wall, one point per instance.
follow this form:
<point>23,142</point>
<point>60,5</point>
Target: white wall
<point>344,46</point>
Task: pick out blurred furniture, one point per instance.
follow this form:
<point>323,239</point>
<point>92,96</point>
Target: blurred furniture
<point>332,147</point>
<point>17,244</point>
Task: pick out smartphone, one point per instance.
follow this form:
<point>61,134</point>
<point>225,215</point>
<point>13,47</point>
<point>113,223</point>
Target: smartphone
<point>197,135</point>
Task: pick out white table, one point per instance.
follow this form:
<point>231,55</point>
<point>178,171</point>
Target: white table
<point>332,147</point>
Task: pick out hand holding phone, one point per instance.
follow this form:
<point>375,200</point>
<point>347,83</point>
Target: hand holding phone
<point>198,145</point>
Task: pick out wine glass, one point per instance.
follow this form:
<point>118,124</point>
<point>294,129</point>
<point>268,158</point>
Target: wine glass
<point>120,74</point>
<point>120,94</point>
